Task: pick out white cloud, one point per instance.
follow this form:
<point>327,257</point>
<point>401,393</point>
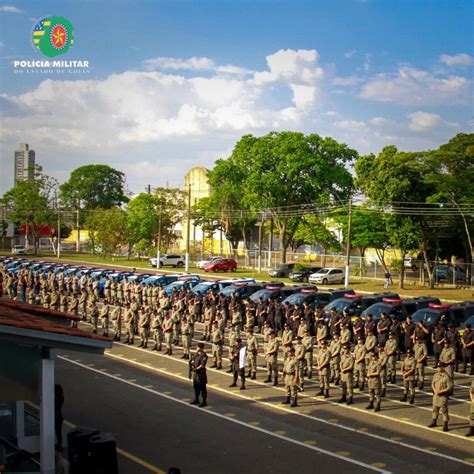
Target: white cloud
<point>351,53</point>
<point>462,59</point>
<point>10,9</point>
<point>347,81</point>
<point>422,121</point>
<point>411,86</point>
<point>191,64</point>
<point>2,44</point>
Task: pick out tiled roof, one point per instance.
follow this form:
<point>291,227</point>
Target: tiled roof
<point>26,316</point>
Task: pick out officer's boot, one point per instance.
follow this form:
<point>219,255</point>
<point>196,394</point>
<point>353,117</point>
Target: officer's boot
<point>382,394</point>
<point>159,348</point>
<point>126,341</point>
<point>183,356</point>
<point>445,426</point>
<point>412,399</point>
<point>287,400</point>
<point>154,347</point>
<point>350,401</point>
<point>294,402</point>
<point>310,374</point>
<point>432,424</point>
<point>321,392</point>
<point>275,381</point>
<point>141,344</point>
<point>242,385</point>
<point>404,398</point>
<point>229,370</point>
<point>249,374</point>
<point>464,368</point>
<point>268,379</point>
<point>377,406</point>
<point>170,351</point>
<point>422,385</point>
<point>362,387</point>
<point>337,382</point>
<point>326,393</point>
<point>203,404</point>
<point>343,399</point>
<point>254,376</point>
<point>145,344</point>
<point>394,379</point>
<point>370,405</point>
<point>219,366</point>
<point>470,432</point>
<point>356,385</point>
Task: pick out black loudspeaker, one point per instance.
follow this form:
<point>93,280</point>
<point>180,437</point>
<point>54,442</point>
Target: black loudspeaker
<point>78,440</point>
<point>103,451</point>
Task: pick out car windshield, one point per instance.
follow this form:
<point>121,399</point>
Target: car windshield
<point>339,305</point>
<point>265,293</point>
<point>323,271</point>
<point>230,289</point>
<point>428,317</point>
<point>377,309</point>
<point>296,298</point>
<point>203,287</point>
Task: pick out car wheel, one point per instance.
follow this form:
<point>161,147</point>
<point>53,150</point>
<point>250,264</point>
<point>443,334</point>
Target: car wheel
<point>342,281</point>
<point>180,265</point>
<point>216,270</point>
<point>325,281</point>
<point>234,269</point>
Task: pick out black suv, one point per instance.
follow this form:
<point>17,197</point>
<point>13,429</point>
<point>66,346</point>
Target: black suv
<point>399,309</point>
<point>282,270</point>
<point>447,314</point>
<point>303,273</point>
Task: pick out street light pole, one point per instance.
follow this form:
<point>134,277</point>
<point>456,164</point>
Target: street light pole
<point>188,229</point>
<point>158,251</point>
<point>348,246</point>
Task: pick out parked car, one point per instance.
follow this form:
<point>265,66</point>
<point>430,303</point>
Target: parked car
<point>172,260</point>
<point>201,263</point>
<point>448,314</point>
<point>356,303</point>
<point>327,275</point>
<point>410,264</point>
<point>18,250</point>
<point>188,282</point>
<point>217,285</point>
<point>221,265</point>
<point>303,273</point>
<point>447,273</point>
<point>275,293</point>
<point>242,290</point>
<point>282,270</point>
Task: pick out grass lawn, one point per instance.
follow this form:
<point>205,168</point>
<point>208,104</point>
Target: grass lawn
<point>444,292</point>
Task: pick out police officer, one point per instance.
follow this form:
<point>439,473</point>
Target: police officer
<point>373,375</point>
<point>467,343</point>
<point>300,362</point>
<point>271,359</point>
<point>186,330</point>
<point>116,318</point>
<point>217,342</point>
<point>360,353</point>
<point>408,373</point>
<point>347,376</point>
<point>238,352</point>
<point>308,343</point>
<point>323,361</point>
<point>199,376</point>
<point>471,418</point>
<point>441,385</point>
<point>391,349</point>
<point>252,350</point>
<point>420,352</point>
<point>335,350</point>
<point>290,374</point>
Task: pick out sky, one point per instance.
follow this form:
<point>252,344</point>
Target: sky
<point>175,84</point>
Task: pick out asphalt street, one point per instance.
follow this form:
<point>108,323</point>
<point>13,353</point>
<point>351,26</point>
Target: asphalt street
<point>142,396</point>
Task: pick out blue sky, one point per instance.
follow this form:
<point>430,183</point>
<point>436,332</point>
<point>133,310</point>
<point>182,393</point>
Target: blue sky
<point>175,84</point>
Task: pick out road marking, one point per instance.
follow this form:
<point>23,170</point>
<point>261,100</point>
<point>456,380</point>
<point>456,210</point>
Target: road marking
<point>405,418</point>
<point>280,432</point>
<point>149,386</point>
<point>395,440</point>
<point>116,375</point>
<point>254,423</point>
<point>132,380</point>
<point>344,453</point>
<point>469,460</point>
<point>319,399</point>
<point>311,442</point>
<point>241,423</point>
<point>379,464</point>
<point>229,414</point>
<point>104,370</point>
<point>363,428</point>
<point>431,448</point>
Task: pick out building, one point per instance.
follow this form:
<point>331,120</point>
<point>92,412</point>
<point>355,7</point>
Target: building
<point>24,163</point>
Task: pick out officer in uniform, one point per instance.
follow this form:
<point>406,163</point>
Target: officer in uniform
<point>286,340</point>
<point>238,365</point>
<point>73,308</point>
<point>441,386</point>
<point>359,354</point>
<point>323,361</point>
<point>144,326</point>
<point>448,358</point>
<point>471,418</point>
<point>373,375</point>
<point>104,318</point>
<point>391,350</point>
<point>308,343</point>
<point>83,304</point>
<point>421,356</point>
<point>199,375</point>
<point>408,373</point>
<point>335,350</point>
<point>370,346</point>
<point>467,343</point>
<point>438,337</point>
<point>300,361</point>
<point>168,330</point>
<point>383,360</point>
<point>129,320</point>
<point>347,375</point>
<point>232,340</point>
<point>217,342</point>
<point>116,318</point>
<point>252,350</point>
<point>186,331</point>
<point>321,333</point>
<point>290,374</point>
<point>271,359</point>
<point>157,330</point>
<point>93,314</point>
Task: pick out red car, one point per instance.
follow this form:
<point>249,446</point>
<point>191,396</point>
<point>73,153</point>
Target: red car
<point>221,265</point>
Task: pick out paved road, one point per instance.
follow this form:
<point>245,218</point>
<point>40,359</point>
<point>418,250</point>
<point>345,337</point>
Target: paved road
<point>142,397</point>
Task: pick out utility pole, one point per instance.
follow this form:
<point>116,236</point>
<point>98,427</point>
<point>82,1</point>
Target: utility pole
<point>270,243</point>
<point>158,251</point>
<point>260,227</point>
<point>59,228</point>
<point>78,241</point>
<point>188,229</point>
<point>348,245</point>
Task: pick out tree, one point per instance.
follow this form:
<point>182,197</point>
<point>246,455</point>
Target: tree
<point>313,230</point>
<point>285,170</point>
<point>30,203</point>
<point>404,234</point>
<point>107,229</point>
<point>394,177</point>
<point>94,187</point>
